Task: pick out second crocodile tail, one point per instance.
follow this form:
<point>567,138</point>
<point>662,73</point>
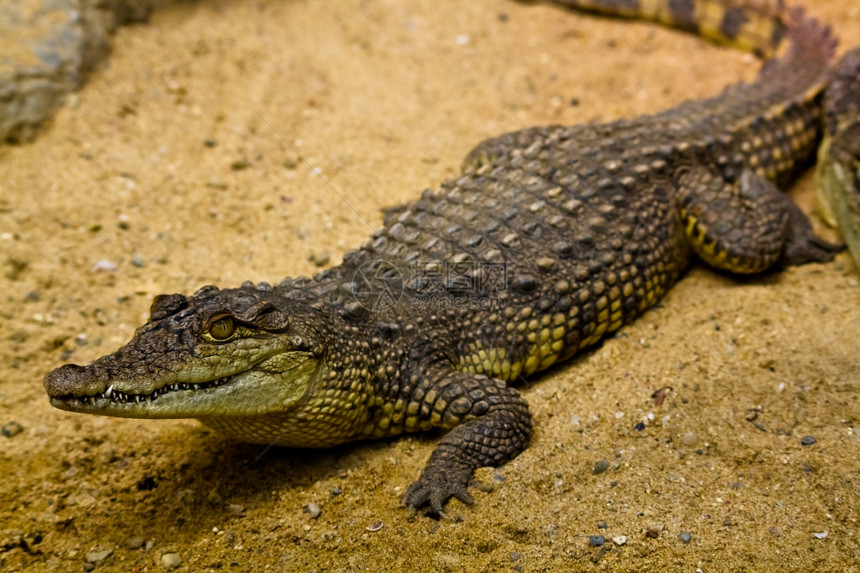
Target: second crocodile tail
<point>755,26</point>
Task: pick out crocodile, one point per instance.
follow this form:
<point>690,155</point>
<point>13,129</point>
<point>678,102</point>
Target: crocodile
<point>838,172</point>
<point>550,240</point>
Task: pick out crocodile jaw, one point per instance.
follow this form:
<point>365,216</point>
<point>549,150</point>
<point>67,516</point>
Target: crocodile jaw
<point>271,385</point>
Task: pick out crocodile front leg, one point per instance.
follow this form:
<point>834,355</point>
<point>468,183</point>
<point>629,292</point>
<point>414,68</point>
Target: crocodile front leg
<point>490,425</point>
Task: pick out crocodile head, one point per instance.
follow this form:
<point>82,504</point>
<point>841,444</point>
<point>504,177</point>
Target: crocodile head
<point>237,352</point>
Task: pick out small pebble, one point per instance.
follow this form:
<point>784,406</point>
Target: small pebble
<point>137,261</point>
<point>619,540</point>
<point>321,259</point>
<point>105,265</point>
<point>375,526</point>
<point>602,525</point>
<point>808,440</point>
<point>136,542</point>
<point>11,429</point>
<point>821,535</point>
<point>336,491</point>
<point>171,560</point>
<point>515,556</point>
<point>312,509</point>
<point>99,556</point>
<point>685,537</point>
<point>689,439</point>
<point>600,467</point>
<point>596,540</point>
<point>235,509</point>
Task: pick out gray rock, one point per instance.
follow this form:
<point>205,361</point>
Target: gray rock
<point>47,48</point>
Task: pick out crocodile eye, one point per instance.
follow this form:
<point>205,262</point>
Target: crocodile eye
<point>222,329</point>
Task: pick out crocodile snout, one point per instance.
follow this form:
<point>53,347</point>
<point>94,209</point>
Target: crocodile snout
<point>72,380</point>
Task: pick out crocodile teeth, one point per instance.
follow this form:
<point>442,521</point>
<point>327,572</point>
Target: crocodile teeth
<point>120,397</point>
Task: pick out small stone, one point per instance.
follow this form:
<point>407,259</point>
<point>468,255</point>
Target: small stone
<point>137,261</point>
<point>240,164</point>
<point>600,467</point>
<point>596,540</point>
<point>99,556</point>
<point>312,509</point>
<point>290,163</point>
<point>336,491</point>
<point>235,509</point>
<point>689,439</point>
<point>808,440</point>
<point>619,540</point>
<point>685,537</point>
<point>136,542</point>
<point>105,265</point>
<point>320,259</point>
<point>171,560</point>
<point>375,526</point>
<point>11,429</point>
<point>209,142</point>
<point>602,525</point>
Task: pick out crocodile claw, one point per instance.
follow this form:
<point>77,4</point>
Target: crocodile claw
<point>437,485</point>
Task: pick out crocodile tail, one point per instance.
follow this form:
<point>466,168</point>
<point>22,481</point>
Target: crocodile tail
<point>755,26</point>
<point>812,46</point>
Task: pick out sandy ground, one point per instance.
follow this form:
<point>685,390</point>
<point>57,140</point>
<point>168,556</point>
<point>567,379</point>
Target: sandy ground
<point>171,170</point>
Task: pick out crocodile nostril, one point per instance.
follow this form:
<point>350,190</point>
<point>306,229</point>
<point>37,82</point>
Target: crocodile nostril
<point>69,379</point>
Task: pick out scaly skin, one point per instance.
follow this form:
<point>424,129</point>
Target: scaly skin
<point>551,239</point>
<point>838,171</point>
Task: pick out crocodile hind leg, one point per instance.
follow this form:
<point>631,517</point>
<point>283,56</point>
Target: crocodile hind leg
<point>489,423</point>
<point>747,225</point>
